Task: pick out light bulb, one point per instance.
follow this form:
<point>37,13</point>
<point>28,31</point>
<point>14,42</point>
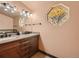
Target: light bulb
<point>15,9</point>
<point>30,14</point>
<point>5,9</point>
<point>8,7</point>
<point>12,11</point>
<point>24,14</point>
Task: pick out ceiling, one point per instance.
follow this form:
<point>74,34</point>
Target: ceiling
<point>36,6</point>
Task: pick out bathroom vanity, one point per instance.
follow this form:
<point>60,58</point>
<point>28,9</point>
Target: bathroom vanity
<point>13,42</point>
<point>19,46</point>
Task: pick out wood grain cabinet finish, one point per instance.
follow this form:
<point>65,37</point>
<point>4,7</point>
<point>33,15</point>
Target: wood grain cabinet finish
<point>22,48</point>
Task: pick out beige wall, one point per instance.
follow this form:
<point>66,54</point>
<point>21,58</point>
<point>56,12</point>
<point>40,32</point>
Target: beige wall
<point>62,41</point>
<point>6,22</point>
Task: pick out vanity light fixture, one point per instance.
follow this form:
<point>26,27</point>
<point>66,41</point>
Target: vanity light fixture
<point>29,14</point>
<point>25,13</point>
<point>8,7</point>
<point>5,9</point>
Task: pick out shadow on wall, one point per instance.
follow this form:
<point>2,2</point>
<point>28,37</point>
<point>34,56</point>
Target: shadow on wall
<point>43,54</point>
<point>41,45</point>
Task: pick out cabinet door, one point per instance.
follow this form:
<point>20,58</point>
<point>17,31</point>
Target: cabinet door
<point>25,52</point>
<point>10,51</point>
<point>33,45</point>
<point>24,48</point>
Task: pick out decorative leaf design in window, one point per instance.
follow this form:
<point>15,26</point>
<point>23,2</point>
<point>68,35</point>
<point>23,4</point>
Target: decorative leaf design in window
<point>58,14</point>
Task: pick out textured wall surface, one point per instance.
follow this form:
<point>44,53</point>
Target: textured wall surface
<point>60,41</point>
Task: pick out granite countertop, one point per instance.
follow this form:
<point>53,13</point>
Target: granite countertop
<point>16,37</point>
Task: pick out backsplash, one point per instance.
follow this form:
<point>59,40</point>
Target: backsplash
<point>8,30</point>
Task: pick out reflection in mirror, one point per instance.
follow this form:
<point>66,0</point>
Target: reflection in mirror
<point>8,7</point>
<point>22,21</point>
<point>6,22</point>
<point>24,15</point>
<point>19,18</point>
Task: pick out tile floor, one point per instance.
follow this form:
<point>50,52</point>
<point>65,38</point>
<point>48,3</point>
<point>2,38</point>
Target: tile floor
<point>40,55</point>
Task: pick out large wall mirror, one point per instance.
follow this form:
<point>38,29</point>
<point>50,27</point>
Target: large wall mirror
<point>12,18</point>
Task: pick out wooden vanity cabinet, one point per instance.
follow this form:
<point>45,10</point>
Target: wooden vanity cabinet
<point>21,48</point>
<point>10,49</point>
<point>33,45</point>
<point>29,46</point>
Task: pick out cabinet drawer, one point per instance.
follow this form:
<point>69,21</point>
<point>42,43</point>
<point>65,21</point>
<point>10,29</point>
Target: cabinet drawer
<point>25,42</point>
<point>9,46</point>
<point>10,53</point>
